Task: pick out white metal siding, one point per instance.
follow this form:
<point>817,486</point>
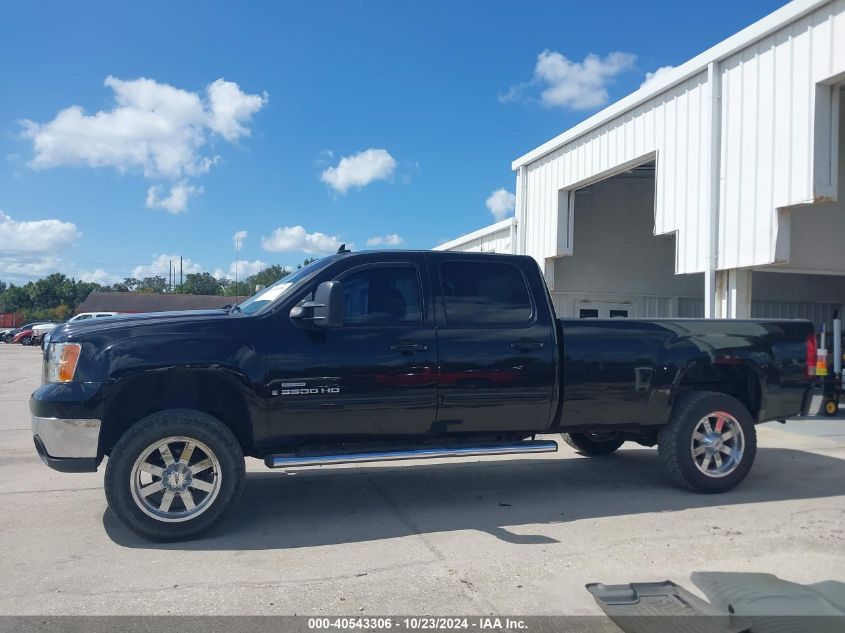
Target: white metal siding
<point>767,148</point>
<point>671,125</point>
<point>496,238</point>
<point>498,242</point>
<point>818,313</point>
<point>768,112</point>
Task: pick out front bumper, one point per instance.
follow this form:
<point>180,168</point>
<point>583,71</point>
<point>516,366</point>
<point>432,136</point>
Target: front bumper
<point>67,445</point>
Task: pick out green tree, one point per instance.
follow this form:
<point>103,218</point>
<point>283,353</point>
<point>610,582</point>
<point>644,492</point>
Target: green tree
<point>16,299</point>
<point>267,277</point>
<point>85,288</point>
<point>201,284</point>
<point>152,284</point>
<point>131,283</point>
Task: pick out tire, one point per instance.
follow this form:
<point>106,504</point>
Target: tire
<point>726,452</point>
<point>26,340</point>
<point>211,479</point>
<point>593,444</point>
<point>830,407</point>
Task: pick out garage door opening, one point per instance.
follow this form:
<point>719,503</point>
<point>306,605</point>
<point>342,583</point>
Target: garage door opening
<point>617,267</point>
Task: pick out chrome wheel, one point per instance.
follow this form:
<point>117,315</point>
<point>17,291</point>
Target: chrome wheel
<point>717,444</point>
<point>175,479</point>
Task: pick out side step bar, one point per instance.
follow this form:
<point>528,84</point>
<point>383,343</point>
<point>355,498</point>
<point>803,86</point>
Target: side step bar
<point>289,461</point>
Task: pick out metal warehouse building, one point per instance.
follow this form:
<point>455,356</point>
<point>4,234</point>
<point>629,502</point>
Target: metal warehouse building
<point>716,191</point>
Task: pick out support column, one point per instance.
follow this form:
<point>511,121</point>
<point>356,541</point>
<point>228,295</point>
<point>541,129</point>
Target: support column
<point>711,235</point>
<point>733,293</point>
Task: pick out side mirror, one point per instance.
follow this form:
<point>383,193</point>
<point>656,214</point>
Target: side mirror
<point>325,310</point>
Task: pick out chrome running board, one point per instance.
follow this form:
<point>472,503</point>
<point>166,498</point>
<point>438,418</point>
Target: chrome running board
<point>514,448</point>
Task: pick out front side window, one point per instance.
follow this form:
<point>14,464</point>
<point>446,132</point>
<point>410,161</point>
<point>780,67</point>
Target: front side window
<point>484,293</point>
<point>382,296</point>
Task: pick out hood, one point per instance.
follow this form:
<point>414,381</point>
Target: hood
<point>143,318</point>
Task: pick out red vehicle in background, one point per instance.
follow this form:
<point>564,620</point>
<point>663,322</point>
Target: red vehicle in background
<point>21,335</point>
<point>24,337</point>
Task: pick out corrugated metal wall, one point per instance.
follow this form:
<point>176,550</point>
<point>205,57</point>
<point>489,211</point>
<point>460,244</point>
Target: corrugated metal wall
<point>768,111</point>
<point>818,313</point>
<point>768,101</point>
<point>496,242</point>
<point>641,306</point>
<point>674,126</point>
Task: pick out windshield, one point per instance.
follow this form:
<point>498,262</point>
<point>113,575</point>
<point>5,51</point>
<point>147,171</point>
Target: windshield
<point>269,295</point>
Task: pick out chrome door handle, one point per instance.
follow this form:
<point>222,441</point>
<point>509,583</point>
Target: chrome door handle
<point>526,346</point>
<point>409,347</point>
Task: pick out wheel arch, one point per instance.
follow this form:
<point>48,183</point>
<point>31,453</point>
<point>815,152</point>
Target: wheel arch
<point>742,379</point>
<point>209,391</point>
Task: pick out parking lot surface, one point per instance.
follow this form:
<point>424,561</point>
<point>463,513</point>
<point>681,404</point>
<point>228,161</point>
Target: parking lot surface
<point>516,535</point>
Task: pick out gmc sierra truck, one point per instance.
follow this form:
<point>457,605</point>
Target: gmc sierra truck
<point>399,355</point>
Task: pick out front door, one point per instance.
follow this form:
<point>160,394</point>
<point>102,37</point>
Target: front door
<point>375,375</point>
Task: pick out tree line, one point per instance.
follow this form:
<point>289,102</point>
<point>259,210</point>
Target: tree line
<point>56,296</point>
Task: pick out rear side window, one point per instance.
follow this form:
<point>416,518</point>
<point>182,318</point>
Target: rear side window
<point>382,296</point>
<point>484,293</point>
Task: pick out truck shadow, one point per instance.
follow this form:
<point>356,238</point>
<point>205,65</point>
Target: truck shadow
<point>353,504</point>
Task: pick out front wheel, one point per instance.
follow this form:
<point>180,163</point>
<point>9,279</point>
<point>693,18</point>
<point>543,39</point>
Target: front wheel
<point>174,474</point>
<point>830,407</point>
<point>593,444</point>
<point>709,444</point>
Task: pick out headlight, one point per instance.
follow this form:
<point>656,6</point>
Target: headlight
<point>61,361</point>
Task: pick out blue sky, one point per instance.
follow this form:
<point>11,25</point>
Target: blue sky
<point>427,102</point>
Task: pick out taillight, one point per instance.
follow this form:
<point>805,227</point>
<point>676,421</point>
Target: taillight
<point>812,355</point>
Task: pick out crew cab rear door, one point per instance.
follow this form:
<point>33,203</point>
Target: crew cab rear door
<point>496,344</point>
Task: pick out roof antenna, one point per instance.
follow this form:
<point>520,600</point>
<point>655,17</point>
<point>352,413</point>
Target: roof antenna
<point>343,249</point>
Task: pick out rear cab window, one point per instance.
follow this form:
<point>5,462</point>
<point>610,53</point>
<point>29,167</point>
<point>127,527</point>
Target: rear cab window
<point>485,293</point>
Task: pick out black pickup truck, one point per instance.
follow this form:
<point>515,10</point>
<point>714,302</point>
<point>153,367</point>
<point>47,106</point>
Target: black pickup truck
<point>398,355</point>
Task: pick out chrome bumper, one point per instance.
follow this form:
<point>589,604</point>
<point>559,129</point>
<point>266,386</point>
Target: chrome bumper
<point>63,438</point>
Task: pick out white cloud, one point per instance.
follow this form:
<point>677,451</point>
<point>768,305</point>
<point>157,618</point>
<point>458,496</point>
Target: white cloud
<point>35,236</point>
<point>245,269</point>
<point>569,84</point>
<point>238,239</point>
<point>100,276</point>
<point>359,170</point>
<point>231,108</point>
<point>176,201</point>
<point>296,238</point>
<point>154,128</point>
<point>23,269</point>
<point>30,249</point>
<point>657,75</point>
<point>159,267</point>
<point>391,239</point>
<point>501,203</point>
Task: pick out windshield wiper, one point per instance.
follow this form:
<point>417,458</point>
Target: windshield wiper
<point>235,308</point>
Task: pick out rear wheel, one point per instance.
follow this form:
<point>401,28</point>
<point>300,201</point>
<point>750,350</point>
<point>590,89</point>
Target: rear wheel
<point>174,475</point>
<point>593,444</point>
<point>26,340</point>
<point>830,407</point>
<point>710,443</point>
